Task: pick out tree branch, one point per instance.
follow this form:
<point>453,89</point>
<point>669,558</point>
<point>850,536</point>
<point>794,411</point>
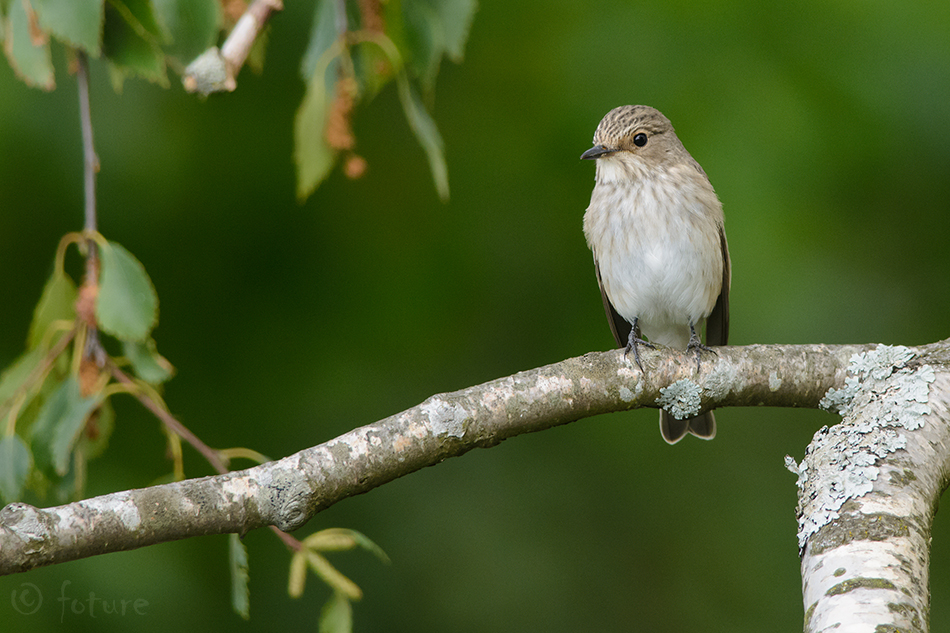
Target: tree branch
<point>288,492</point>
<point>868,493</point>
<point>216,70</point>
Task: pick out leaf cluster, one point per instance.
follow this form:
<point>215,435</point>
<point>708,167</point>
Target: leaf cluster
<point>135,37</point>
<point>353,53</point>
<point>55,410</point>
<point>356,47</point>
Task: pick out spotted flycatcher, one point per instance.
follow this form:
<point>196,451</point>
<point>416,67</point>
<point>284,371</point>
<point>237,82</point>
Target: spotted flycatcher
<point>655,227</point>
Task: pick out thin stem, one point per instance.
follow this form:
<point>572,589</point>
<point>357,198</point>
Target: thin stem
<point>169,421</point>
<point>93,348</point>
<point>179,429</point>
<point>90,160</point>
<point>291,542</point>
<point>341,23</point>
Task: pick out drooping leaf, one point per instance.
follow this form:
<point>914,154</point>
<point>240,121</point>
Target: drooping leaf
<point>192,26</point>
<point>75,22</point>
<point>140,15</point>
<point>341,539</point>
<point>15,464</point>
<point>147,363</point>
<point>69,486</point>
<point>332,576</point>
<point>58,302</point>
<point>240,594</point>
<point>313,156</point>
<point>58,426</point>
<point>433,29</point>
<point>456,18</point>
<point>99,428</point>
<point>373,69</point>
<point>298,574</point>
<point>427,134</point>
<point>127,306</point>
<point>16,374</point>
<point>323,34</point>
<point>131,41</point>
<point>425,40</point>
<point>27,47</point>
<point>336,615</point>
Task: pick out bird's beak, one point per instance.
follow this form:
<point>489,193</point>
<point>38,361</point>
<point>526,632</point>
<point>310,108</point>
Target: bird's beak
<point>596,152</point>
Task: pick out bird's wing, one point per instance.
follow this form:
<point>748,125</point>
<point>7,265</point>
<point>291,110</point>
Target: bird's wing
<point>717,324</point>
<point>619,326</point>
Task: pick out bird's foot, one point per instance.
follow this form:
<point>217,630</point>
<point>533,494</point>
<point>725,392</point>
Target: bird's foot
<point>633,343</point>
<point>697,345</point>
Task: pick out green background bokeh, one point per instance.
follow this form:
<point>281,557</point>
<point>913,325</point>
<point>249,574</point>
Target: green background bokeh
<point>825,128</point>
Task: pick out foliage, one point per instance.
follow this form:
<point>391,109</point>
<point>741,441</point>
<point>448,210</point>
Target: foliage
<point>355,49</point>
<point>54,399</point>
<point>55,409</point>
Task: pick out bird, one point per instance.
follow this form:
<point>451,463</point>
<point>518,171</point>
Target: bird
<point>656,229</point>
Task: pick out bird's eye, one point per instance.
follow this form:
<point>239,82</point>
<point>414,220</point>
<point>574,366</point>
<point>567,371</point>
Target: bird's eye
<point>640,139</point>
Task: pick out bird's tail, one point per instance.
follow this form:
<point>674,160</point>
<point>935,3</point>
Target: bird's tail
<point>673,430</point>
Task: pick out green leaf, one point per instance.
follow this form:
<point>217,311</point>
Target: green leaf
<point>434,28</point>
<point>342,539</point>
<point>68,487</point>
<point>15,464</point>
<point>363,541</point>
<point>314,158</point>
<point>323,34</point>
<point>58,426</point>
<point>140,15</point>
<point>372,67</point>
<point>99,428</point>
<point>428,135</point>
<point>147,363</point>
<point>131,41</point>
<point>240,594</point>
<point>298,574</point>
<point>192,25</point>
<point>425,39</point>
<point>31,60</point>
<point>456,18</point>
<point>336,615</point>
<point>58,302</point>
<point>332,576</point>
<point>76,22</point>
<point>127,306</point>
<point>16,374</point>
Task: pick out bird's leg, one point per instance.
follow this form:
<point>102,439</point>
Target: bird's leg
<point>634,341</point>
<point>696,344</point>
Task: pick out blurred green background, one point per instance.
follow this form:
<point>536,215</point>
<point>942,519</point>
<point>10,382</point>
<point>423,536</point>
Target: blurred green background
<point>825,128</point>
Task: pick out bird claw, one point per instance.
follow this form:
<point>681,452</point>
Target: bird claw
<point>633,343</point>
<point>696,344</point>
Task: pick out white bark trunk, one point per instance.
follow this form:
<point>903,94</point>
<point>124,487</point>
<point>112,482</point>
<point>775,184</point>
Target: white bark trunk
<point>868,492</point>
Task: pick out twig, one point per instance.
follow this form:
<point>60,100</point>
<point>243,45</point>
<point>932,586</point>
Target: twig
<point>90,160</point>
<point>238,45</point>
<point>182,431</point>
<point>173,425</point>
<point>215,70</point>
<point>93,350</point>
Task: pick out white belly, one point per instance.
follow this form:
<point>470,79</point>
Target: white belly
<point>659,254</point>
